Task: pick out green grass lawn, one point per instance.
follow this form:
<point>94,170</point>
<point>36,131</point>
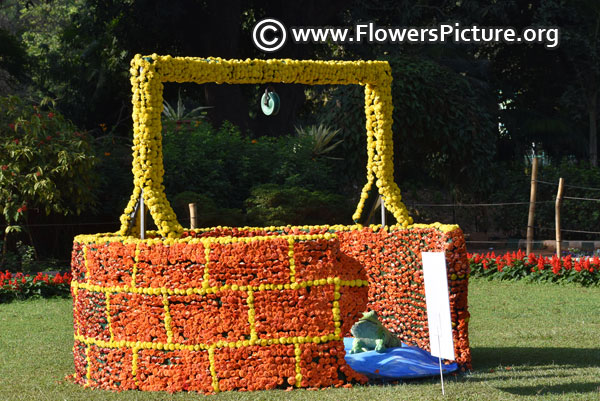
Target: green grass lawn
<point>529,341</point>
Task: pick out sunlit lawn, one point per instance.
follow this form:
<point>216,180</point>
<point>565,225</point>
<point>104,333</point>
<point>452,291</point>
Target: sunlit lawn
<point>529,341</point>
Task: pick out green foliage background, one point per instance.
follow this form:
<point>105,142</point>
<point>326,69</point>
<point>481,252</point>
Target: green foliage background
<point>277,180</point>
<point>441,128</point>
<point>464,114</point>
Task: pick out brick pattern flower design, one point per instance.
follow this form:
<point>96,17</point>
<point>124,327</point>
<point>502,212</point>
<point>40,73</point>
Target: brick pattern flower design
<point>251,308</point>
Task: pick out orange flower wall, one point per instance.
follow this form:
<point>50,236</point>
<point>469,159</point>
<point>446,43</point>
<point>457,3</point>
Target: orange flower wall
<point>396,288</point>
<point>250,309</point>
<point>213,312</point>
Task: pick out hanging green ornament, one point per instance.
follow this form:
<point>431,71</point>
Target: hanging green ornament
<point>269,102</point>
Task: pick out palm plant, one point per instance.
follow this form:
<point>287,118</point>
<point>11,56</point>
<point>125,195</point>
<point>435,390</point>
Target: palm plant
<point>180,113</point>
<point>322,138</point>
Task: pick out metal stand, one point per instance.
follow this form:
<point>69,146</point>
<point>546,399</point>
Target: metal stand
<point>439,357</point>
<point>382,212</point>
<point>142,213</point>
<point>138,208</point>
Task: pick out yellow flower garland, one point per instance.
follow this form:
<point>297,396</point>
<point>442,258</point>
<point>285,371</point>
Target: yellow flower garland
<point>149,73</point>
<point>147,77</point>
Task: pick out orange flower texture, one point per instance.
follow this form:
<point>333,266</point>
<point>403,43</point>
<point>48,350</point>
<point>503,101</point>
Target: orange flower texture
<point>250,309</point>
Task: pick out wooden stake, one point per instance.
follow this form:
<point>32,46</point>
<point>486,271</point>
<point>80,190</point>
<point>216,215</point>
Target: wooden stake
<point>559,195</point>
<point>193,222</point>
<point>530,222</point>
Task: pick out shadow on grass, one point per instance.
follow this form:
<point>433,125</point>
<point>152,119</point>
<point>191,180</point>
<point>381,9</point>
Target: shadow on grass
<point>488,358</point>
<point>577,387</point>
<point>542,362</point>
<point>527,365</point>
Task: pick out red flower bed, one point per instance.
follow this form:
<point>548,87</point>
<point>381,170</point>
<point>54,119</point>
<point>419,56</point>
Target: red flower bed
<point>22,286</point>
<point>517,265</point>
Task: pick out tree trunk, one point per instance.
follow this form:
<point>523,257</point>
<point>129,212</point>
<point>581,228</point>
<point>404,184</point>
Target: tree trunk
<point>593,141</point>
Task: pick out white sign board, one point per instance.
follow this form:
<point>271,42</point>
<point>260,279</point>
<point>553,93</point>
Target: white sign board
<point>438,305</point>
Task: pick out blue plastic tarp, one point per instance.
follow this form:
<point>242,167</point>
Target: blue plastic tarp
<point>398,363</point>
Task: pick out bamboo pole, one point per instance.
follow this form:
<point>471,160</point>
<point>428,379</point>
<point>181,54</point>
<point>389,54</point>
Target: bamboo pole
<point>530,218</point>
<point>559,195</point>
<point>193,222</point>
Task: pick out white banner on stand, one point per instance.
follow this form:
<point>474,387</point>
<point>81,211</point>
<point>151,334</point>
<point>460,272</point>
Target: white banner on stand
<point>438,305</point>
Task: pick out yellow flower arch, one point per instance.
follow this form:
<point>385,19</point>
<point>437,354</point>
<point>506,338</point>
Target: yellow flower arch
<point>149,73</point>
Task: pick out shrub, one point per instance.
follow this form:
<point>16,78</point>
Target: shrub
<point>272,205</point>
<point>46,162</point>
<point>223,165</point>
<point>209,214</point>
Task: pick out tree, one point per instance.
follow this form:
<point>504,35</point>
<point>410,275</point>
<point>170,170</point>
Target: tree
<point>13,59</point>
<point>443,130</point>
<point>45,164</point>
<point>548,96</point>
<point>580,47</point>
<point>82,51</point>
